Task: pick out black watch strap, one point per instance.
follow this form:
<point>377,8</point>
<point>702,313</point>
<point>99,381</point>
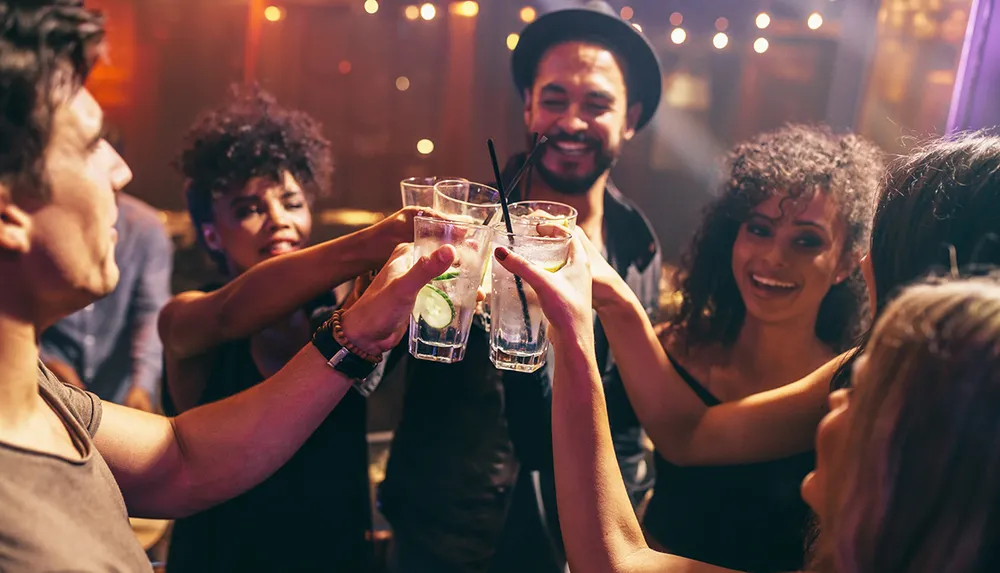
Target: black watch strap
<point>339,357</point>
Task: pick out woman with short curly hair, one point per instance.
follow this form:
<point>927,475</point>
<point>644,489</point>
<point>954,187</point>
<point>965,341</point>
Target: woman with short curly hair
<point>252,169</point>
<point>769,282</point>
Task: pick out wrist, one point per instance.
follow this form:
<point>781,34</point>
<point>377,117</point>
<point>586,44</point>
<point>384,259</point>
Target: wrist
<point>356,333</point>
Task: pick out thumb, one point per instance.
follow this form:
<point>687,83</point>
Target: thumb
<point>427,267</point>
<point>518,265</point>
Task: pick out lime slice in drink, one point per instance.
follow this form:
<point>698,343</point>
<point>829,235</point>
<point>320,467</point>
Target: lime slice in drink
<point>556,267</point>
<point>447,275</point>
<point>434,306</point>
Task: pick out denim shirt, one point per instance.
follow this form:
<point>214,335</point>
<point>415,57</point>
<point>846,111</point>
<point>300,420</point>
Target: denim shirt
<point>114,343</point>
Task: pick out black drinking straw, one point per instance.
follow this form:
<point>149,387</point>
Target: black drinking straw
<point>539,141</point>
<point>510,237</point>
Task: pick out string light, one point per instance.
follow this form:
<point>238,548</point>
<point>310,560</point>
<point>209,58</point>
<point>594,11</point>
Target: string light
<point>425,147</point>
<point>676,18</point>
<point>815,21</point>
<point>720,40</point>
<point>627,13</point>
<point>428,11</point>
<point>760,45</point>
<point>528,14</point>
<point>402,83</point>
<point>371,6</point>
<point>678,35</point>
<point>763,20</point>
<point>412,12</point>
<point>721,24</point>
<point>273,14</point>
<point>344,67</point>
<point>637,27</point>
<point>512,40</point>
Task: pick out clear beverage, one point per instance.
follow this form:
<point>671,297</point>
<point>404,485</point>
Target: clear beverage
<point>518,328</point>
<point>525,216</point>
<point>419,191</point>
<point>467,201</point>
<point>442,314</point>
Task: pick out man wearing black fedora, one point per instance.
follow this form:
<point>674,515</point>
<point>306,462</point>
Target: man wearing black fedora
<point>469,484</point>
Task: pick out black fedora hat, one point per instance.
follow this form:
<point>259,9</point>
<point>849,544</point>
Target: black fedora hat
<point>596,21</point>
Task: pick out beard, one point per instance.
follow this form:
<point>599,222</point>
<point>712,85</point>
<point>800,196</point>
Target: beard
<point>604,159</point>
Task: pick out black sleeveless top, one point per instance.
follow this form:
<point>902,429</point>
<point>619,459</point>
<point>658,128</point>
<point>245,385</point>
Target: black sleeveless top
<point>745,517</point>
<point>313,514</point>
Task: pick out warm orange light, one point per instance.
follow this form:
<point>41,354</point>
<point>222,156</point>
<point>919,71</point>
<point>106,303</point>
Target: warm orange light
<point>428,11</point>
<point>273,13</point>
<point>815,21</point>
<point>721,24</point>
<point>344,67</point>
<point>528,14</point>
<point>412,12</point>
<point>678,35</point>
<point>627,13</point>
<point>720,40</point>
<point>467,9</point>
<point>760,45</point>
<point>512,40</point>
<point>402,83</point>
<point>763,20</point>
<point>676,18</point>
<point>636,26</point>
<point>371,6</point>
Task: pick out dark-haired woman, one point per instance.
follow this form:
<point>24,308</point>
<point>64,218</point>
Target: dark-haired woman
<point>252,170</point>
<point>771,292</point>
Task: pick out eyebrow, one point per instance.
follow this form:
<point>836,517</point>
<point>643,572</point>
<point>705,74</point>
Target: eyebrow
<point>796,222</point>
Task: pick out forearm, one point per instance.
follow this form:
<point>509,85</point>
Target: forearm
<point>600,530</point>
<point>275,288</point>
<point>221,450</point>
<point>599,525</point>
<point>666,406</point>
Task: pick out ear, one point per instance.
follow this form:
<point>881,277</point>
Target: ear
<point>846,267</point>
<point>211,237</point>
<point>527,106</point>
<point>632,120</point>
<point>15,226</point>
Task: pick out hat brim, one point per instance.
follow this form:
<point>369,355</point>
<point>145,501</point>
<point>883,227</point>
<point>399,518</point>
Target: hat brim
<point>643,66</point>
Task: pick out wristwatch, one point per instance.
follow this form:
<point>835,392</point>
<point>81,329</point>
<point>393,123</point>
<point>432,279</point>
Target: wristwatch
<point>338,356</point>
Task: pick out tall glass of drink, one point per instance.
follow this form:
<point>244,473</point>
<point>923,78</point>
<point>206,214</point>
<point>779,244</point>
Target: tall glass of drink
<point>518,328</point>
<point>442,314</point>
<point>419,191</point>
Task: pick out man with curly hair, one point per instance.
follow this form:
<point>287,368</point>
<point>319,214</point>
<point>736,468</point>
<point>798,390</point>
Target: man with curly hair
<point>72,467</point>
<point>252,171</point>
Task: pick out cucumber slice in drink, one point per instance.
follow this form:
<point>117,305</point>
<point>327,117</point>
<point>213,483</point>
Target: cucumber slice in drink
<point>447,275</point>
<point>434,306</point>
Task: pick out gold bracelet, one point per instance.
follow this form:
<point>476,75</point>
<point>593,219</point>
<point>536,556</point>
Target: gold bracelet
<point>341,338</point>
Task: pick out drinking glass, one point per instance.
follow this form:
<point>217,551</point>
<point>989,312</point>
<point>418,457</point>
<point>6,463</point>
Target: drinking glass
<point>527,214</point>
<point>442,314</point>
<point>419,191</point>
<point>518,328</point>
<point>466,201</point>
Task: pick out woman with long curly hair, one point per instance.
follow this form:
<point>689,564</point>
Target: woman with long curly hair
<point>253,169</point>
<point>769,285</point>
<point>897,507</point>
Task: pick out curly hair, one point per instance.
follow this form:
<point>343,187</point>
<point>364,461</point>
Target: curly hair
<point>795,161</point>
<point>47,49</point>
<point>250,137</point>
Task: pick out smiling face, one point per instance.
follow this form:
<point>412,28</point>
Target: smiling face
<point>579,101</point>
<point>787,255</point>
<point>263,220</point>
<point>68,241</point>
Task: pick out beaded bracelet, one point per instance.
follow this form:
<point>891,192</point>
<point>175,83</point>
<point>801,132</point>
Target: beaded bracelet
<point>341,338</point>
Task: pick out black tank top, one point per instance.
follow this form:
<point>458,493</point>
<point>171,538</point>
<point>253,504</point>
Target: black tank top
<point>313,514</point>
<point>747,517</point>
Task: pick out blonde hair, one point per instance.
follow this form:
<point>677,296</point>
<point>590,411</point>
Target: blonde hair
<point>921,486</point>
